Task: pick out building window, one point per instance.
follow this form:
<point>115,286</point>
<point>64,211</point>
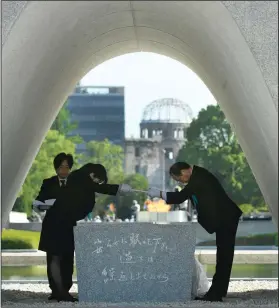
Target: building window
<point>169,153</point>
<point>144,133</point>
<point>181,133</point>
<point>137,169</point>
<point>137,152</point>
<point>144,170</point>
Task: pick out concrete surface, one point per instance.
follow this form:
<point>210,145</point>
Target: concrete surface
<point>49,46</point>
<point>253,294</point>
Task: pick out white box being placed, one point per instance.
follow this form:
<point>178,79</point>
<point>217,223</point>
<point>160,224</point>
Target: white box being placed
<point>173,216</point>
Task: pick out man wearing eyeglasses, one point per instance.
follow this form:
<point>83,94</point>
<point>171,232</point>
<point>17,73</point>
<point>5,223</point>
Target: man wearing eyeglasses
<point>217,213</point>
<point>72,204</point>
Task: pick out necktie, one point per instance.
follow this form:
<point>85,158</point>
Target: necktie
<point>195,200</point>
<point>63,183</point>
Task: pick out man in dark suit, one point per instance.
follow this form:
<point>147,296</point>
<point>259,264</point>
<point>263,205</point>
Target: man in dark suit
<point>216,213</point>
<point>73,203</point>
<point>50,189</point>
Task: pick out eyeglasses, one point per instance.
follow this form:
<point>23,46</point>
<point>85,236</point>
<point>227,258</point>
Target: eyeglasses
<point>97,181</point>
<point>100,182</point>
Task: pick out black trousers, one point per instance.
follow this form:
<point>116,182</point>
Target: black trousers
<point>60,272</point>
<point>225,242</point>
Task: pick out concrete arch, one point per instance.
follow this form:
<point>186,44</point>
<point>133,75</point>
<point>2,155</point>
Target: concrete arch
<point>49,46</point>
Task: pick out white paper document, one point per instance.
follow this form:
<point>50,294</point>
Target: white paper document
<point>38,203</point>
<point>42,206</point>
<point>50,201</point>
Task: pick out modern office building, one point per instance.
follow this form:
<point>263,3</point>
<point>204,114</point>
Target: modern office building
<point>99,112</point>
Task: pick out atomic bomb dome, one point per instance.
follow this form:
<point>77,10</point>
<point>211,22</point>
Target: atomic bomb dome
<point>166,117</point>
<point>167,110</point>
<point>162,131</point>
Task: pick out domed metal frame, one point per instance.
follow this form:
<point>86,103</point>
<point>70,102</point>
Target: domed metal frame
<point>162,110</point>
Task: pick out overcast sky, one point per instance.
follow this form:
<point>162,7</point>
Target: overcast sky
<point>147,77</point>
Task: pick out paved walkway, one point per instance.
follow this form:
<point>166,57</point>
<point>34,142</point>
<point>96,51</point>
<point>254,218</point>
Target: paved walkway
<point>254,294</point>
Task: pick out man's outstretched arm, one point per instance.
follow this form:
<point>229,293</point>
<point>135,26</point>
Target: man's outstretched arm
<point>176,197</point>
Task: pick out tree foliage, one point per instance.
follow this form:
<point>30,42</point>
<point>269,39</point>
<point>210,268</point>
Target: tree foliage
<point>136,181</point>
<point>247,208</point>
<point>107,154</point>
<point>42,168</point>
<point>65,125</point>
<point>58,140</point>
<point>211,143</point>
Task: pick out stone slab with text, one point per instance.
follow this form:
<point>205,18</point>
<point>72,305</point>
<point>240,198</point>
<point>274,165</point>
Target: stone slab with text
<point>134,262</point>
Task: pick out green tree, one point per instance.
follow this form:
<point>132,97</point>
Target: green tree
<point>209,130</point>
<point>107,154</point>
<point>211,143</point>
<point>64,125</point>
<point>136,181</point>
<point>42,168</point>
<point>247,208</point>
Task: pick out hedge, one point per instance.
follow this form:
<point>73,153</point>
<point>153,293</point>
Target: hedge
<point>252,240</point>
<point>19,239</point>
<point>276,239</point>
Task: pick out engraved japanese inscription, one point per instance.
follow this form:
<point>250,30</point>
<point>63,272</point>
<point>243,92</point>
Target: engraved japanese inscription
<point>129,254</point>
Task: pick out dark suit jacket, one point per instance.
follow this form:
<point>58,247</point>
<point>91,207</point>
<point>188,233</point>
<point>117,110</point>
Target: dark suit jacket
<point>214,208</point>
<point>49,189</point>
<point>72,204</point>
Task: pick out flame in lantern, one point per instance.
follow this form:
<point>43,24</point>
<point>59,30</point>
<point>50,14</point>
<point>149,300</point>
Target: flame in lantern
<point>112,207</point>
<point>158,205</point>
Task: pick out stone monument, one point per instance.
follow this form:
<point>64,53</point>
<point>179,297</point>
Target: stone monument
<point>134,262</point>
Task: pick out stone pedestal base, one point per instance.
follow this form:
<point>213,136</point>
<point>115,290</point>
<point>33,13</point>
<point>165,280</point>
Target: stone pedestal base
<point>134,262</point>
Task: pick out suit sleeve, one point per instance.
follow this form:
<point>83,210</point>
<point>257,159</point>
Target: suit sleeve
<point>106,189</point>
<point>178,197</point>
<point>42,196</point>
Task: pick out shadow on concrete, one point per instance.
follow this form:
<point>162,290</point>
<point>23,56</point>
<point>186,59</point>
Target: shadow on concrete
<point>257,298</point>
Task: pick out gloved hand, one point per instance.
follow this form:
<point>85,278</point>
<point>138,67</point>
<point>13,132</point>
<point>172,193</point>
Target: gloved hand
<point>153,192</point>
<point>124,188</point>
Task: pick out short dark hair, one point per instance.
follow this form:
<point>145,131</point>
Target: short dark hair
<point>176,168</point>
<point>99,171</point>
<point>58,160</point>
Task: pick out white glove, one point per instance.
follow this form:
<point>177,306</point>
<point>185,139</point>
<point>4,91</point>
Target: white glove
<point>124,188</point>
<point>153,192</point>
